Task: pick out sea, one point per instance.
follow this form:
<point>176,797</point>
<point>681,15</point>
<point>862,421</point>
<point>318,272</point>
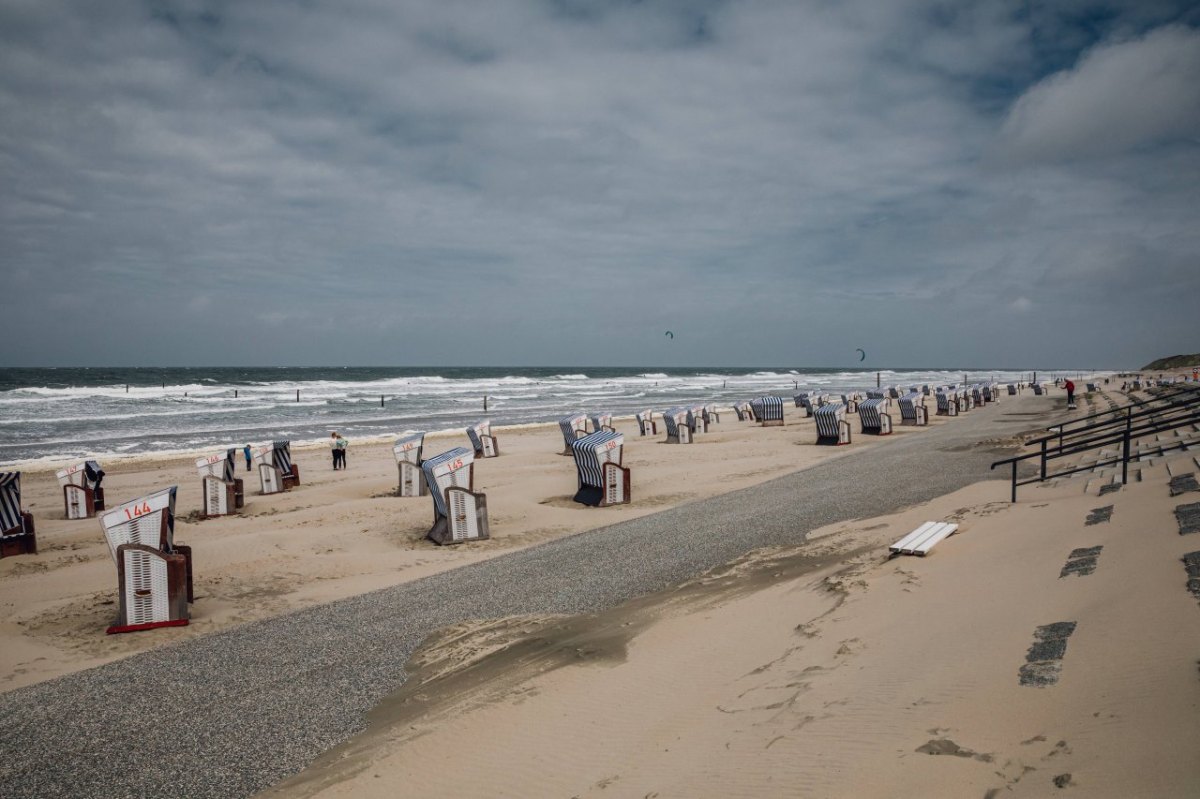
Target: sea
<point>59,415</point>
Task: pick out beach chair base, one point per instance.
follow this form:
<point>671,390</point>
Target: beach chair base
<point>154,587</point>
<point>275,481</point>
<point>614,492</point>
<point>80,502</point>
<point>468,522</point>
<point>772,423</point>
<point>292,479</point>
<point>884,429</point>
<point>490,447</point>
<point>923,539</point>
<point>412,481</point>
<point>843,436</point>
<point>220,496</point>
<point>19,541</point>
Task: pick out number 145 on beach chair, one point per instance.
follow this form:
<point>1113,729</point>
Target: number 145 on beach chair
<point>82,494</point>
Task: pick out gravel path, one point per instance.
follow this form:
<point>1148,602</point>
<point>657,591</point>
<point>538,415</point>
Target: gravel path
<point>232,713</point>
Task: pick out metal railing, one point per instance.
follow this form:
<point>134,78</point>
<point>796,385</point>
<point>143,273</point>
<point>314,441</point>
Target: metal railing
<point>1124,426</point>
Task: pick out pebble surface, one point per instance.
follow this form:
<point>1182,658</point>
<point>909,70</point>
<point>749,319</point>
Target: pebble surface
<point>232,713</point>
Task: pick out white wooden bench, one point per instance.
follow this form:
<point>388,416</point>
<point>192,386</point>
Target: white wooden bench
<point>923,539</point>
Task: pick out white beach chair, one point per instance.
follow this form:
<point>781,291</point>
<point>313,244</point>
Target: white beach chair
<point>223,493</point>
<point>276,472</point>
<point>923,539</point>
<point>743,411</point>
<point>485,444</point>
<point>82,493</point>
<point>768,411</point>
<point>17,535</point>
<point>874,417</point>
<point>646,423</point>
<point>459,514</point>
<point>697,420</point>
<point>407,450</point>
<point>154,574</point>
<point>678,430</point>
<point>832,427</point>
<point>711,416</point>
<point>851,400</point>
<point>602,479</point>
<point>573,427</point>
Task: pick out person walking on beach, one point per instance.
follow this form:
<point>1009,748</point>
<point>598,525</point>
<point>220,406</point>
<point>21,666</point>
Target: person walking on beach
<point>249,459</point>
<point>1070,387</point>
<point>334,451</point>
<point>342,445</point>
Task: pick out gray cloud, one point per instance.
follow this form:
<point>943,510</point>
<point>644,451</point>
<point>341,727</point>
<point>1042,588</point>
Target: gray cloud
<point>556,182</point>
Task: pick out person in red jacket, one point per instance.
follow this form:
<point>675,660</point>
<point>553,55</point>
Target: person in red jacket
<point>1070,387</point>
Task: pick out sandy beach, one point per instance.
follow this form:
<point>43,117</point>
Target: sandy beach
<point>820,667</point>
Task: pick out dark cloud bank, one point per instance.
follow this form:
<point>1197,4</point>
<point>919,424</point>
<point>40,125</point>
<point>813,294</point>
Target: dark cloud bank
<point>534,182</point>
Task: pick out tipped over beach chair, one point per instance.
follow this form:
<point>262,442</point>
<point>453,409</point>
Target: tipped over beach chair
<point>459,514</point>
<point>832,427</point>
<point>923,539</point>
<point>154,574</point>
<point>407,450</point>
<point>768,411</point>
<point>913,410</point>
<point>276,472</point>
<point>223,493</point>
<point>574,427</point>
<point>601,421</point>
<point>602,479</point>
<point>82,494</point>
<point>486,445</point>
<point>874,417</point>
<point>17,535</point>
<point>678,430</point>
<point>646,423</point>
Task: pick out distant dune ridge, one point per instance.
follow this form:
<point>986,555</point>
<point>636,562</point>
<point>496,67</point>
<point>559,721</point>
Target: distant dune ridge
<point>1173,362</point>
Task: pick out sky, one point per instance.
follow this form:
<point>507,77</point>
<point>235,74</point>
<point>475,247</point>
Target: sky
<point>559,182</point>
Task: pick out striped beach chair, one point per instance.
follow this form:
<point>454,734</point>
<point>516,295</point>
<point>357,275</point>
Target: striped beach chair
<point>1091,387</point>
<point>485,444</point>
<point>768,411</point>
<point>913,410</point>
<point>893,392</point>
<point>82,493</point>
<point>602,479</point>
<point>1012,389</point>
<point>222,492</point>
<point>1037,388</point>
<point>832,427</point>
<point>407,450</point>
<point>947,403</point>
<point>574,427</point>
<point>926,390</point>
<point>154,574</point>
<point>977,395</point>
<point>459,514</point>
<point>874,417</point>
<point>276,472</point>
<point>697,420</point>
<point>17,534</point>
<point>601,421</point>
<point>646,423</point>
<point>678,430</point>
<point>877,393</point>
<point>743,411</point>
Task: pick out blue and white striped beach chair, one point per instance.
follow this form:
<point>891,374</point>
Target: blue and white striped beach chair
<point>17,535</point>
<point>697,420</point>
<point>913,410</point>
<point>977,396</point>
<point>459,514</point>
<point>154,574</point>
<point>485,444</point>
<point>877,393</point>
<point>768,410</point>
<point>574,427</point>
<point>646,423</point>
<point>874,417</point>
<point>276,472</point>
<point>832,427</point>
<point>947,403</point>
<point>1092,386</point>
<point>82,493</point>
<point>926,390</point>
<point>221,490</point>
<point>601,421</point>
<point>893,392</point>
<point>407,450</point>
<point>678,430</point>
<point>602,478</point>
